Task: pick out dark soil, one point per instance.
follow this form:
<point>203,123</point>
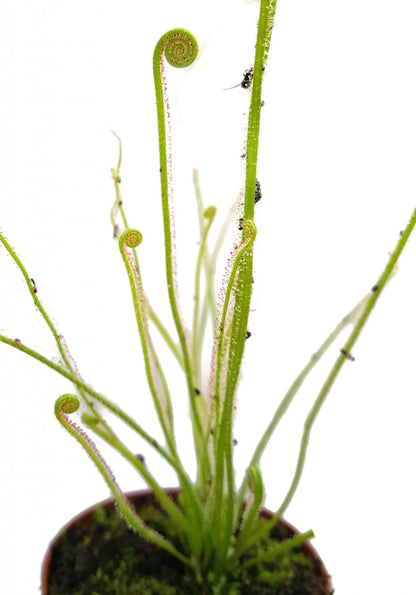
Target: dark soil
<point>101,556</point>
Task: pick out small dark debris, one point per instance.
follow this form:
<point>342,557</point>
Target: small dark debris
<point>246,82</point>
<point>347,355</point>
<point>247,79</point>
<point>257,193</point>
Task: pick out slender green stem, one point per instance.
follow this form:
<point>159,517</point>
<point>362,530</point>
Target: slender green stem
<point>129,239</point>
<point>264,33</point>
<point>164,333</point>
<point>59,340</point>
<point>244,281</point>
<point>68,404</point>
<point>255,483</point>
<point>240,253</point>
<point>197,332</point>
<point>209,304</point>
<point>340,361</point>
<point>171,509</point>
<point>223,408</point>
<point>118,208</point>
<point>242,290</point>
<point>80,385</point>
<point>180,49</point>
<point>184,479</point>
<point>38,304</point>
<point>222,404</point>
<point>293,390</point>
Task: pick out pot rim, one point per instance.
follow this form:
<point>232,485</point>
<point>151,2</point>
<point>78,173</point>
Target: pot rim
<point>173,493</point>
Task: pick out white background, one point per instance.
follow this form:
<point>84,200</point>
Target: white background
<point>337,167</point>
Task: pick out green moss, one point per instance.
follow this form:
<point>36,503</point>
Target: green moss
<point>101,555</point>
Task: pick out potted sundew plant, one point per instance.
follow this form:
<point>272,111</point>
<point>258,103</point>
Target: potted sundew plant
<point>211,535</point>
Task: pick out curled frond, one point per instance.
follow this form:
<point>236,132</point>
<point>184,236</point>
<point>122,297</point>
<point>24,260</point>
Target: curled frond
<point>210,212</point>
<point>131,238</point>
<point>66,404</point>
<point>179,47</point>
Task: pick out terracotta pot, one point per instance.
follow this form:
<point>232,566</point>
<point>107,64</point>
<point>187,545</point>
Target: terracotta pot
<point>148,498</point>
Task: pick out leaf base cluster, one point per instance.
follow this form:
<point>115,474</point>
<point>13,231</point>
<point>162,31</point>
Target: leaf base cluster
<point>101,556</point>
